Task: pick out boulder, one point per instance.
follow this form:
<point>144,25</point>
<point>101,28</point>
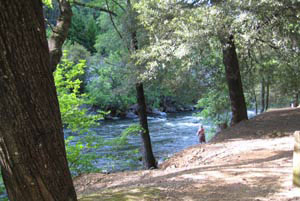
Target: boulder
<point>158,113</point>
<point>131,115</point>
<point>170,109</point>
<point>134,108</point>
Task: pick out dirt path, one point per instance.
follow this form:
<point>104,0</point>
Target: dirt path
<point>250,161</point>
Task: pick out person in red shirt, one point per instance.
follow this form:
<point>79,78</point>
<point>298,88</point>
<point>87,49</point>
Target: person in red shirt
<point>201,134</point>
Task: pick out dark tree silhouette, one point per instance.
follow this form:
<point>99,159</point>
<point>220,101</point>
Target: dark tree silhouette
<point>32,149</point>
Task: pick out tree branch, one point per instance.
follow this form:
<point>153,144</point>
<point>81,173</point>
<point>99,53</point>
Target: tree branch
<point>113,22</point>
<point>119,5</point>
<point>268,43</point>
<point>94,7</point>
<point>50,25</point>
<point>60,33</point>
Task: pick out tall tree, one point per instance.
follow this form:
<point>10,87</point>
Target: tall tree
<point>267,94</point>
<point>33,157</point>
<point>125,13</point>
<point>234,81</point>
<point>262,94</point>
<point>148,156</point>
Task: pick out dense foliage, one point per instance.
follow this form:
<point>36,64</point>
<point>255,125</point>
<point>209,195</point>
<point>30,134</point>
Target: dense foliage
<point>180,58</point>
<point>81,142</point>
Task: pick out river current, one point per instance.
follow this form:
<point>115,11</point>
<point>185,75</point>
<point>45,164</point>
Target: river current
<point>169,134</point>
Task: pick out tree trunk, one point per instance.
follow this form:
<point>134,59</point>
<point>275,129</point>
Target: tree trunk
<point>255,100</point>
<point>262,94</point>
<point>148,157</point>
<point>233,77</point>
<point>267,95</point>
<point>296,99</point>
<point>60,33</point>
<point>32,149</point>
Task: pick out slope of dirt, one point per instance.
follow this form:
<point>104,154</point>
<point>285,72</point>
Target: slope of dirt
<point>250,161</point>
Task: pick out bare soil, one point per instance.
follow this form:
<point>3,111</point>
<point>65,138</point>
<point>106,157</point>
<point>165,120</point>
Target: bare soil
<point>251,161</point>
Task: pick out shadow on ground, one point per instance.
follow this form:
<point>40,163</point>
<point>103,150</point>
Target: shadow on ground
<point>244,181</point>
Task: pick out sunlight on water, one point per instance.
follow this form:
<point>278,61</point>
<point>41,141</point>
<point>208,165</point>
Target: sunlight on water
<point>168,134</point>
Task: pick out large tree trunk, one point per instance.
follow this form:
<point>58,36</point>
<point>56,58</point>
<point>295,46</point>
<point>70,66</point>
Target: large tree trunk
<point>262,95</point>
<point>32,149</point>
<point>148,157</point>
<point>60,33</point>
<point>233,77</point>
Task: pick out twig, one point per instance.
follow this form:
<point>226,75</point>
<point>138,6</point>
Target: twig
<point>50,25</point>
<point>119,5</point>
<point>113,22</point>
<point>94,7</point>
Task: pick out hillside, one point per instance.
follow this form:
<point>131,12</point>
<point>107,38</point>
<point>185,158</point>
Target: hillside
<point>250,161</point>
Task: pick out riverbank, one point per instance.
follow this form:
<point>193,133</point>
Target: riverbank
<point>250,161</point>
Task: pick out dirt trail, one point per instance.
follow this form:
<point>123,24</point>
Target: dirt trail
<point>250,161</point>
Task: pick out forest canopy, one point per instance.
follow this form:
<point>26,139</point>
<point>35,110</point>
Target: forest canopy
<point>181,52</point>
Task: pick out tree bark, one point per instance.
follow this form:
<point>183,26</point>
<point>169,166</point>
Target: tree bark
<point>255,100</point>
<point>32,149</point>
<point>148,157</point>
<point>296,99</point>
<point>267,95</point>
<point>60,33</point>
<point>234,82</point>
<point>262,95</point>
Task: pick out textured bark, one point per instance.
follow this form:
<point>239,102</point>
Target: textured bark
<point>32,149</point>
<point>148,157</point>
<point>60,33</point>
<point>233,77</point>
<point>262,95</point>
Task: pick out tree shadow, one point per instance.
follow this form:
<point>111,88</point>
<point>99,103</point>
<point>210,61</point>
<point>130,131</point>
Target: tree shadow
<point>282,121</point>
<point>236,183</point>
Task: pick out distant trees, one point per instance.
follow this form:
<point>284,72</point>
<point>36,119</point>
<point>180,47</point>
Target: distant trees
<point>251,35</point>
<point>33,156</point>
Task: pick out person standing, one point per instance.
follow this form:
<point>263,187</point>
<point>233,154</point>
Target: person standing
<point>201,134</point>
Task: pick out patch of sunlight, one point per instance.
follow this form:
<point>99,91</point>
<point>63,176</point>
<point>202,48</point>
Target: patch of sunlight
<point>194,177</point>
<point>188,198</point>
<point>135,194</point>
<point>292,191</point>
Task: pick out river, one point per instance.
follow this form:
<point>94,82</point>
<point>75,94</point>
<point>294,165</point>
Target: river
<point>169,134</point>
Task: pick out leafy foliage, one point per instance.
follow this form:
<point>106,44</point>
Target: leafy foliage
<point>83,29</point>
<point>71,102</point>
<point>74,116</point>
<point>81,142</point>
<point>215,106</point>
<point>48,3</point>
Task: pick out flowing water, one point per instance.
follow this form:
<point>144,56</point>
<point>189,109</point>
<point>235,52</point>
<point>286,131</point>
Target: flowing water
<point>169,134</point>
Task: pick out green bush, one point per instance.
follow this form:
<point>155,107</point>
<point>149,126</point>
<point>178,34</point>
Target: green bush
<point>216,106</point>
